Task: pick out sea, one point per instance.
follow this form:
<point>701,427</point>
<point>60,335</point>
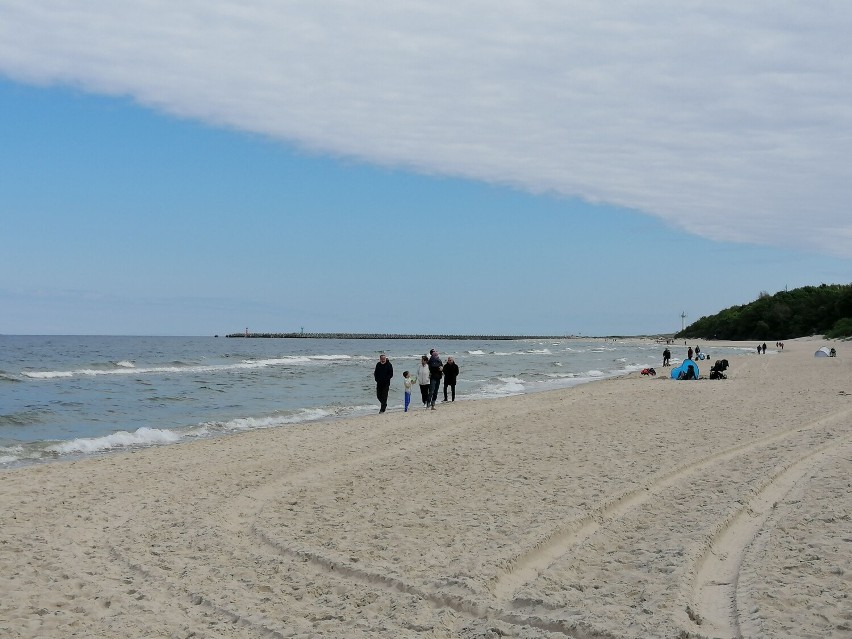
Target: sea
<point>67,397</point>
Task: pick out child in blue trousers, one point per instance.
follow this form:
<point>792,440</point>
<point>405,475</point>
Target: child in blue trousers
<point>408,381</point>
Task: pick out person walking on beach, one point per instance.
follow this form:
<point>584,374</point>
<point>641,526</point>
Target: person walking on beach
<point>408,382</point>
<point>667,355</point>
<point>451,372</point>
<point>383,375</point>
<point>689,353</point>
<point>436,367</point>
<point>423,380</point>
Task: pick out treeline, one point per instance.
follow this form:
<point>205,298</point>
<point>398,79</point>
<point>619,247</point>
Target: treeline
<point>812,310</point>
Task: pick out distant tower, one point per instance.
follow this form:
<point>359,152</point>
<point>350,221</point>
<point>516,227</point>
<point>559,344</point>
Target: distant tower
<point>246,331</point>
<point>682,317</point>
<point>303,330</point>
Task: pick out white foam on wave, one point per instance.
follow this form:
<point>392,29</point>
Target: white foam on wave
<point>533,351</point>
<point>276,361</point>
<point>297,417</point>
<point>9,454</point>
<point>122,439</point>
<point>255,423</point>
<point>503,387</point>
<point>46,374</point>
<point>128,368</point>
<point>476,352</point>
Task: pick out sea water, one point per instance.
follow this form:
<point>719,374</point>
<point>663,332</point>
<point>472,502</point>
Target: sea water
<point>62,397</point>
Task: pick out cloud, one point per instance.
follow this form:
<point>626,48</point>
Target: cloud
<point>729,120</point>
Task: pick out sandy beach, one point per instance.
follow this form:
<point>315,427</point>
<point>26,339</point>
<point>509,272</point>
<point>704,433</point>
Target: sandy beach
<point>629,508</point>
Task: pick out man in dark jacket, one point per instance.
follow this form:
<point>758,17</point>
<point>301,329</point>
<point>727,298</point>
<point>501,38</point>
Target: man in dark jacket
<point>383,375</point>
<point>451,372</point>
<point>436,366</point>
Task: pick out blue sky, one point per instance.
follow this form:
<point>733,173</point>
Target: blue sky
<point>192,198</point>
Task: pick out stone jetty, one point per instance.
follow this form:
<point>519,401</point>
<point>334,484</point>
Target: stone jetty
<point>386,336</point>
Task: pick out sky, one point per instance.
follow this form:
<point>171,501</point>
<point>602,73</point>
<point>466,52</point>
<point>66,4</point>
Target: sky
<point>512,168</point>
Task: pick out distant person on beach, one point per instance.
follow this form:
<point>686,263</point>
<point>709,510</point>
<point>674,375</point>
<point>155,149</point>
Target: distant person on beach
<point>451,372</point>
<point>667,355</point>
<point>758,349</point>
<point>764,348</point>
<point>408,382</point>
<point>423,380</point>
<point>383,375</point>
<point>689,353</point>
<point>436,368</point>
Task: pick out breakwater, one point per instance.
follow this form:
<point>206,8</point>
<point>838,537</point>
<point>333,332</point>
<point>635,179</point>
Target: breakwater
<point>391,336</point>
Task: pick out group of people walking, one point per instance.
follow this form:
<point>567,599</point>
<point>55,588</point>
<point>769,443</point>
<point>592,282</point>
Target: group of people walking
<point>667,355</point>
<point>428,377</point>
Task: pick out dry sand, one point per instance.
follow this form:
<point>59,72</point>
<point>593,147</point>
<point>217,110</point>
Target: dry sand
<point>634,507</point>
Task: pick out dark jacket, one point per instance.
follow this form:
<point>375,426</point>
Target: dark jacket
<point>435,365</point>
<point>451,372</point>
<point>383,373</point>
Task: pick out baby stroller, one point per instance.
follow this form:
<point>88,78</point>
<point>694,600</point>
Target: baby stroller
<point>717,372</point>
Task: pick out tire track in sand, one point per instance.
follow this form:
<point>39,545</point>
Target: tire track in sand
<point>248,504</point>
<point>714,592</point>
<point>437,600</point>
<point>526,567</point>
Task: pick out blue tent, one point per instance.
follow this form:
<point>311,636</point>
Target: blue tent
<point>681,371</point>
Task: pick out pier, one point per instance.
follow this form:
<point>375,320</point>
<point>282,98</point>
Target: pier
<point>386,336</point>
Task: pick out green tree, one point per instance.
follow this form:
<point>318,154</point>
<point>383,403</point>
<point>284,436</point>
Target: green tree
<point>811,310</point>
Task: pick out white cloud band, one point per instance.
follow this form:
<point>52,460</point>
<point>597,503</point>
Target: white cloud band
<point>729,120</point>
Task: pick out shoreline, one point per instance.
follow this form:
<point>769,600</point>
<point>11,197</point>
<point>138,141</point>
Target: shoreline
<point>595,511</point>
<point>149,432</point>
<point>188,439</point>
